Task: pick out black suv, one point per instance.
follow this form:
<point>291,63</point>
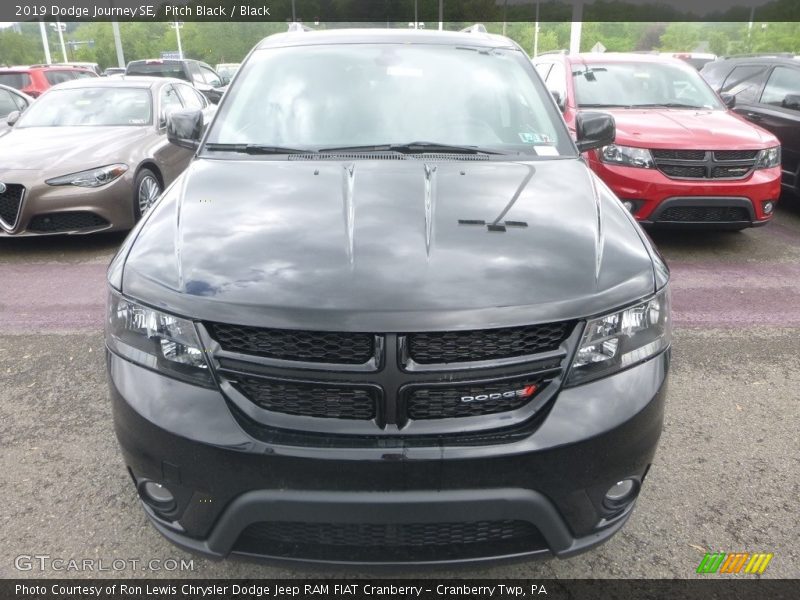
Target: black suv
<point>388,315</point>
<point>767,92</point>
<point>198,73</point>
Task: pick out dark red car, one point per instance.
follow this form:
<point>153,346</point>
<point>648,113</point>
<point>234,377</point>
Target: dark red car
<point>681,156</point>
<point>36,79</point>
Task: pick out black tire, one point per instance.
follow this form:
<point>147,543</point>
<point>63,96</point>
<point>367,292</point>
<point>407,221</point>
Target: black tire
<point>146,190</point>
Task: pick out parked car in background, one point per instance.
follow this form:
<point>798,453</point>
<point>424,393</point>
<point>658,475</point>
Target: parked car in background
<point>697,59</point>
<point>11,99</point>
<point>114,71</point>
<point>91,155</point>
<point>197,73</point>
<point>90,66</point>
<point>226,71</point>
<point>767,93</point>
<point>680,157</point>
<point>388,315</point>
<point>35,79</point>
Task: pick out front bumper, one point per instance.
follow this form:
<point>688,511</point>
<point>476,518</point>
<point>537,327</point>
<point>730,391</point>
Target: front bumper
<point>653,193</point>
<point>47,210</point>
<point>228,484</point>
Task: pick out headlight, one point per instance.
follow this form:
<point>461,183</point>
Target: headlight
<point>156,340</point>
<point>626,155</point>
<point>91,177</point>
<point>623,339</point>
<point>771,157</point>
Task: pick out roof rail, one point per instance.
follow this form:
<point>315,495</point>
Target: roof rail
<point>477,28</point>
<point>762,55</point>
<point>296,27</point>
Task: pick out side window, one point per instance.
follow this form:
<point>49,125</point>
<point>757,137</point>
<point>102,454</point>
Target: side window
<point>191,97</point>
<point>7,104</point>
<point>543,69</point>
<point>21,103</point>
<point>197,76</point>
<point>56,77</point>
<point>783,81</point>
<point>169,101</point>
<point>745,82</point>
<point>210,76</point>
<point>557,80</point>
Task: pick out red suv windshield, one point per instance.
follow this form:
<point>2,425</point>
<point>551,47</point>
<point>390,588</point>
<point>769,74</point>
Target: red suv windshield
<point>642,85</point>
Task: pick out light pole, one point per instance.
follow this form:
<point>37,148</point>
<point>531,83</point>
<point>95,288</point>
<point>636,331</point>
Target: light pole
<point>118,44</point>
<point>45,43</point>
<point>176,25</point>
<point>60,27</point>
<point>536,33</point>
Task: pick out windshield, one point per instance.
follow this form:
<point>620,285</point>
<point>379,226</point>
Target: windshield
<point>349,96</point>
<point>89,107</point>
<point>642,84</point>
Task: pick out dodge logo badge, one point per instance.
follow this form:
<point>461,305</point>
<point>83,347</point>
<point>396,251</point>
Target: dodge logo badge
<point>526,392</point>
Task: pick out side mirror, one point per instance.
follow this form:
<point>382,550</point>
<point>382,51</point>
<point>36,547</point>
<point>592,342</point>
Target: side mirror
<point>594,130</point>
<point>12,118</point>
<point>560,102</point>
<point>728,99</point>
<point>791,101</point>
<point>185,128</point>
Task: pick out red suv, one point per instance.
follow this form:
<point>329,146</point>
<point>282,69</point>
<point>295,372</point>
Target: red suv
<point>36,79</point>
<point>680,156</point>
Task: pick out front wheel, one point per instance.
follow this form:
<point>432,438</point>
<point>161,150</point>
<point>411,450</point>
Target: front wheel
<point>146,191</point>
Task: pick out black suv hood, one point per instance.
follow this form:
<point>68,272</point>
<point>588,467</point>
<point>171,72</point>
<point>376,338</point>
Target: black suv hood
<point>376,245</point>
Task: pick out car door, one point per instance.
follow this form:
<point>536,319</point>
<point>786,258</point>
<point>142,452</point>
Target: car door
<point>779,112</point>
<point>170,158</point>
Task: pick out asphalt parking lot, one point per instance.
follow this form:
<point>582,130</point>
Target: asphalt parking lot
<point>726,476</point>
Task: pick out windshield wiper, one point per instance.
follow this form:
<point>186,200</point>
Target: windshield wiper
<point>414,148</point>
<point>584,105</point>
<point>668,105</point>
<point>255,149</point>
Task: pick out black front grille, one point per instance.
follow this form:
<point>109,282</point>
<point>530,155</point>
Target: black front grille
<point>446,402</point>
<point>310,399</point>
<point>704,214</point>
<point>66,221</point>
<point>486,344</point>
<point>285,344</point>
<point>376,542</point>
<point>679,154</point>
<point>735,154</point>
<point>729,172</point>
<point>705,164</point>
<point>10,203</point>
<point>683,172</point>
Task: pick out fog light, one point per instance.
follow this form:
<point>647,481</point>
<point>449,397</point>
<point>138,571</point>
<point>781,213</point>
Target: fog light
<point>629,205</point>
<point>157,495</point>
<point>768,207</point>
<point>621,493</point>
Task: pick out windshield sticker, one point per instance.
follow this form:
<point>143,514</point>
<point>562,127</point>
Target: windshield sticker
<point>546,150</point>
<point>137,121</point>
<point>534,138</point>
